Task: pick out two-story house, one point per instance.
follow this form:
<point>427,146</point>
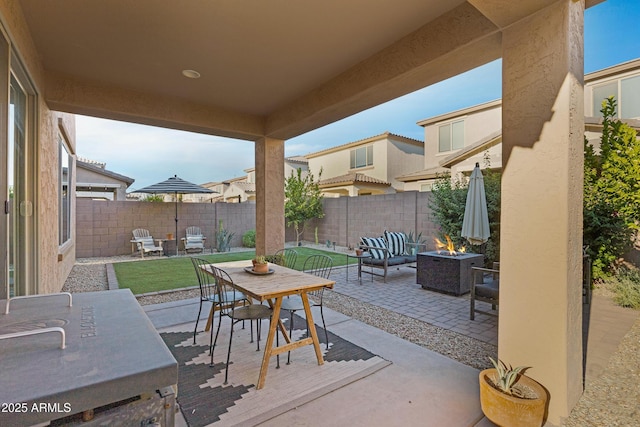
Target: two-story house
<point>456,141</point>
<point>243,188</point>
<point>368,166</point>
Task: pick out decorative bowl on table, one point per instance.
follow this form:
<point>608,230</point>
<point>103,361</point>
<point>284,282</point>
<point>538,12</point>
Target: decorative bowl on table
<point>259,273</point>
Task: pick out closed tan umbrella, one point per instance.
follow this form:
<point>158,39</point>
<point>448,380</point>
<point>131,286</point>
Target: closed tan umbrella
<point>475,225</point>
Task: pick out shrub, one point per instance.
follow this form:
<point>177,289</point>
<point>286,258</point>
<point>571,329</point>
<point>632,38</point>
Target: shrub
<point>626,287</point>
<point>249,239</point>
<point>611,192</point>
<point>153,198</point>
<point>275,259</point>
<point>223,238</point>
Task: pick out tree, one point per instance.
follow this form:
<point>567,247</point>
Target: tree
<point>153,198</point>
<point>611,192</point>
<point>303,201</point>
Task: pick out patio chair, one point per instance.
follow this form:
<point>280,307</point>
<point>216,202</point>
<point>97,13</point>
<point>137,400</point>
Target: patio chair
<point>145,243</point>
<point>228,307</point>
<point>319,265</point>
<point>208,293</point>
<point>285,257</point>
<point>485,287</point>
<point>194,239</point>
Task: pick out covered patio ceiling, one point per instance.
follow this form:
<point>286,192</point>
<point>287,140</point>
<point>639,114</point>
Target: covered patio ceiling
<point>267,68</point>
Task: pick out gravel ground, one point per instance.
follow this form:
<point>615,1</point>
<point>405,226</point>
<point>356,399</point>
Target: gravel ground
<point>611,400</point>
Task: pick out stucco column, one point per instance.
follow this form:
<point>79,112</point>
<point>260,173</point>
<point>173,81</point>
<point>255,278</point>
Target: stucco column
<point>269,161</point>
<point>540,319</point>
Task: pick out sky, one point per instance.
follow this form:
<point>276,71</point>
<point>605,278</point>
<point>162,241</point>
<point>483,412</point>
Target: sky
<point>150,154</point>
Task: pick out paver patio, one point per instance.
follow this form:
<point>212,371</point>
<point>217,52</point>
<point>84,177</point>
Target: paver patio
<point>403,295</point>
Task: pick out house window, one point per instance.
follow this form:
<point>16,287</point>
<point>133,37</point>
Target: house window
<point>630,93</point>
<point>451,136</point>
<point>64,202</point>
<point>602,92</point>
<point>426,187</point>
<point>361,157</point>
<point>626,91</point>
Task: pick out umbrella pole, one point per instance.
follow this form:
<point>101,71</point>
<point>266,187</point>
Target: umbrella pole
<point>176,224</point>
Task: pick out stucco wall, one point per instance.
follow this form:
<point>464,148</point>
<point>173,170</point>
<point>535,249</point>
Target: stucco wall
<point>53,263</point>
<point>333,164</point>
<point>401,159</point>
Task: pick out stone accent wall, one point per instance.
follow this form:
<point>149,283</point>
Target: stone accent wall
<point>104,227</point>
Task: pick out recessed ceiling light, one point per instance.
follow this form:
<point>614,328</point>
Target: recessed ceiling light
<point>192,74</point>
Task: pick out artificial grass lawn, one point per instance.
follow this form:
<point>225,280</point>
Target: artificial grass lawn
<point>152,275</point>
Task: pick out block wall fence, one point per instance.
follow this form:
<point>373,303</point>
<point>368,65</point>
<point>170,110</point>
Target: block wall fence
<point>103,228</point>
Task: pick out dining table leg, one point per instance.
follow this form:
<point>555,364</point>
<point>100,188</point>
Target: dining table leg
<point>311,327</point>
<point>210,318</point>
<point>268,347</point>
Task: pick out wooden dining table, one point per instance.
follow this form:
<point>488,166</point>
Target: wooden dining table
<point>272,288</point>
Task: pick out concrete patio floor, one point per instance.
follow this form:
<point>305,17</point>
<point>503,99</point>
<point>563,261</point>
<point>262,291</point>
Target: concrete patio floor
<point>421,387</point>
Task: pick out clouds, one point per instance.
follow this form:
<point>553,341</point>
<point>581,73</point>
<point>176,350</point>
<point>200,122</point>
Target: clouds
<point>150,154</point>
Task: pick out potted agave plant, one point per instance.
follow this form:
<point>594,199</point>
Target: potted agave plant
<point>510,398</point>
<point>260,264</point>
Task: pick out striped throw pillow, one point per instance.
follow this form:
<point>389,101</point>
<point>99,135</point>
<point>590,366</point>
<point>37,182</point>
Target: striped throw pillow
<point>375,242</point>
<point>396,242</point>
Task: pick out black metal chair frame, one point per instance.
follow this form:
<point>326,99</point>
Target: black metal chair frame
<point>237,314</point>
<point>208,293</point>
<point>319,265</point>
<point>289,257</point>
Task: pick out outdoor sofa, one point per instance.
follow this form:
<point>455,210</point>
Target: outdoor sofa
<point>388,250</point>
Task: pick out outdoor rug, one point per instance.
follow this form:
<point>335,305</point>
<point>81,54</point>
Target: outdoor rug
<point>204,400</point>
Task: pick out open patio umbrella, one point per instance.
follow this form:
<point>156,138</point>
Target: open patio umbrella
<point>475,225</point>
<point>176,186</point>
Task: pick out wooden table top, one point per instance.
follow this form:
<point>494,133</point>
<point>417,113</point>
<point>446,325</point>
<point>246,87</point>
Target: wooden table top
<point>284,281</point>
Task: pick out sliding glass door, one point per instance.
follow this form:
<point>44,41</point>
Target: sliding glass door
<point>17,150</point>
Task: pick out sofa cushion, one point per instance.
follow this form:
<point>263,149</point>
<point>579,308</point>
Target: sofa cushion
<point>409,258</point>
<point>395,260</point>
<point>488,290</point>
<point>148,242</point>
<point>396,242</point>
<point>375,242</point>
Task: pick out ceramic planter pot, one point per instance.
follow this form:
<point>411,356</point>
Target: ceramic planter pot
<point>505,410</point>
<point>261,268</point>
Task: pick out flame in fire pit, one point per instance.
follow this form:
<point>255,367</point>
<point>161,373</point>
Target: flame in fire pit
<point>449,246</point>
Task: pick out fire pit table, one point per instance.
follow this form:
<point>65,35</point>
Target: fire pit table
<point>103,361</point>
<point>451,274</point>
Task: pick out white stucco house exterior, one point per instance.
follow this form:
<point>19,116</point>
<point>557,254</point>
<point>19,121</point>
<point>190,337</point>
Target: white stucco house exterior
<point>456,141</point>
<point>367,166</point>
